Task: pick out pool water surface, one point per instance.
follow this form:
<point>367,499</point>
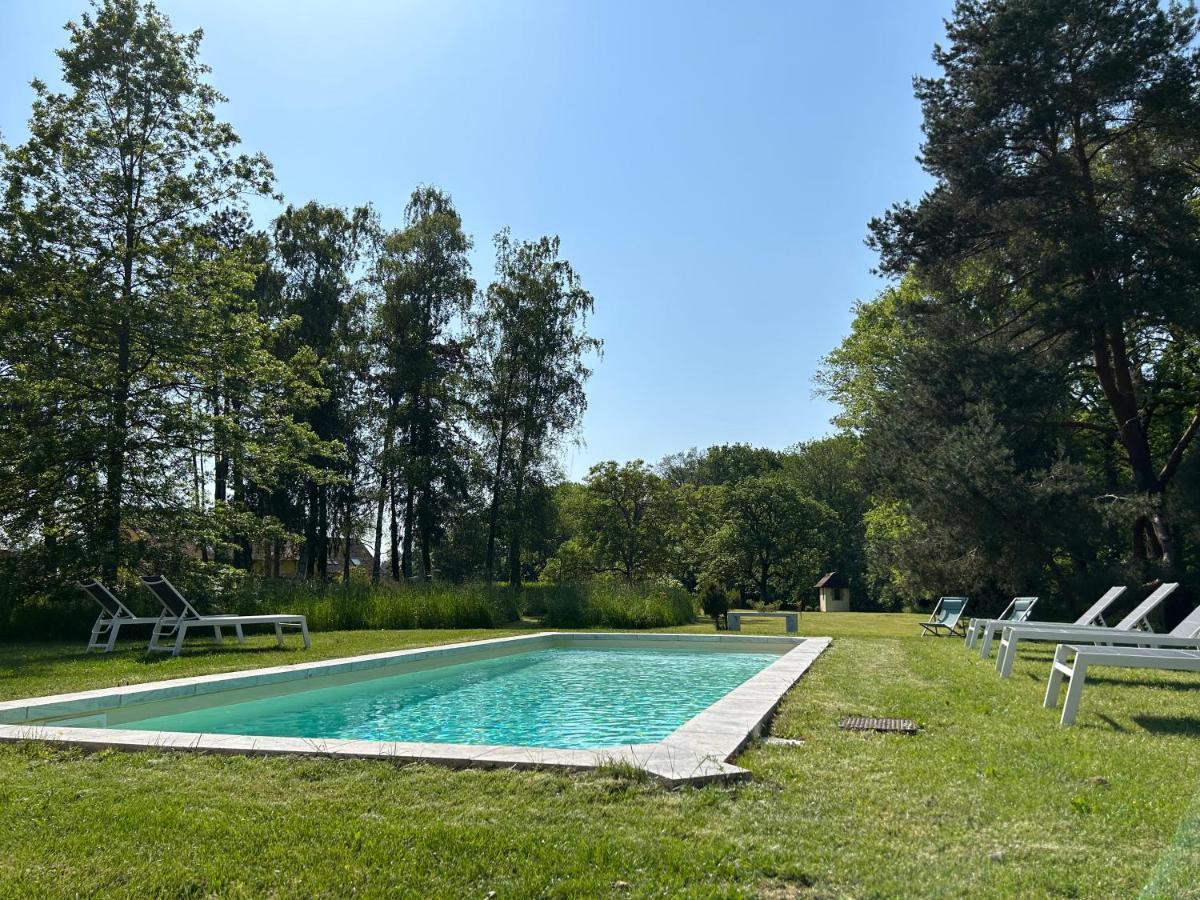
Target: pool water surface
<point>561,697</point>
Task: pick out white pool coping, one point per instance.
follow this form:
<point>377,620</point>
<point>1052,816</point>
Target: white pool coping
<point>700,750</point>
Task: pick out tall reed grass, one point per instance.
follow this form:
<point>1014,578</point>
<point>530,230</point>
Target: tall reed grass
<point>363,605</point>
<point>65,614</point>
<point>610,604</point>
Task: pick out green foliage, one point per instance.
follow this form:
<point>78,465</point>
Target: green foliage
<point>424,276</point>
<point>625,513</point>
<point>724,464</point>
<point>329,606</point>
<point>342,607</point>
<point>531,369</point>
<point>773,538</point>
<point>126,307</point>
<point>1058,262</point>
<point>571,564</point>
<point>617,604</point>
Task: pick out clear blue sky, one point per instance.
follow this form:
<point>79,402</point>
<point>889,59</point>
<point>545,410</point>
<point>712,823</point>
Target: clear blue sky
<point>710,167</point>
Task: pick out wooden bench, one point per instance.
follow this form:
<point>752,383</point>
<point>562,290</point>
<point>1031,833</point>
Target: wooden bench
<point>792,619</point>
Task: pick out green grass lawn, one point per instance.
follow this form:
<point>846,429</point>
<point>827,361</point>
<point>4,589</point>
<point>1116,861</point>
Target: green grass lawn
<point>991,799</point>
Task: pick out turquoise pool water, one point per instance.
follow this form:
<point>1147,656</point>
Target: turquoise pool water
<point>561,697</point>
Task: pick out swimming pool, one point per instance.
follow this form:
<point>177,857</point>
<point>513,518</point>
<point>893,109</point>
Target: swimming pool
<point>677,705</point>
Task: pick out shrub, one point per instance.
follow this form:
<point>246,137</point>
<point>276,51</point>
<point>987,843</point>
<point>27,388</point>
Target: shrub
<point>714,599</point>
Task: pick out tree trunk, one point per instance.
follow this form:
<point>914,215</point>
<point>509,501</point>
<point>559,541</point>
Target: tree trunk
<point>494,511</point>
<point>376,563</point>
<point>516,529</point>
<point>307,566</point>
<point>243,556</point>
<point>322,548</point>
<point>114,476</point>
<point>220,486</point>
<point>349,534</point>
<point>1114,373</point>
<point>427,551</point>
<point>395,536</point>
<point>406,549</point>
<point>498,477</point>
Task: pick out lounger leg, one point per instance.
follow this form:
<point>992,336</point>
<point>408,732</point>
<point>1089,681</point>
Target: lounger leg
<point>155,635</point>
<point>985,644</point>
<point>278,634</point>
<point>972,633</point>
<point>1004,662</point>
<point>93,640</point>
<point>241,637</point>
<point>1056,677</point>
<point>217,634</point>
<point>1074,690</point>
<point>113,631</point>
<point>304,632</point>
<point>179,636</point>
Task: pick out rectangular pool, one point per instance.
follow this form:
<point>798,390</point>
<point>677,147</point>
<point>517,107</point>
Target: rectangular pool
<point>668,703</point>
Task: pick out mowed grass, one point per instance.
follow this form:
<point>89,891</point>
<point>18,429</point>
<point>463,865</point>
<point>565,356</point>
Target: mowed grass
<point>991,799</point>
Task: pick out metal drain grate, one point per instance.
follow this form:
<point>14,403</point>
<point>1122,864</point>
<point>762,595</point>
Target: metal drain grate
<point>871,723</point>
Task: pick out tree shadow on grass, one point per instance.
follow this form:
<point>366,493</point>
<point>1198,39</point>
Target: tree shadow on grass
<point>1186,726</point>
<point>34,660</point>
<point>210,649</point>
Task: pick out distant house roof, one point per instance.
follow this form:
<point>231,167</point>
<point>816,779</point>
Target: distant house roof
<point>832,580</point>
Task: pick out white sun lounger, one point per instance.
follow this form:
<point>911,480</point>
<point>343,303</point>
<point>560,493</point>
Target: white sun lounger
<point>1179,652</point>
<point>1094,615</point>
<point>1076,634</point>
<point>1016,611</point>
<point>181,615</point>
<point>113,615</point>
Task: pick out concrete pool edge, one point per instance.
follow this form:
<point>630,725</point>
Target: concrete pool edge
<point>696,752</point>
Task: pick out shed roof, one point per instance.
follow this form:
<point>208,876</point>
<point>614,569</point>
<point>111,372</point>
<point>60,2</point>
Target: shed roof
<point>832,580</point>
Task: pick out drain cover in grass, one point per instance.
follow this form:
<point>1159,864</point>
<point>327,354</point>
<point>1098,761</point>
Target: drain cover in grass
<point>871,723</point>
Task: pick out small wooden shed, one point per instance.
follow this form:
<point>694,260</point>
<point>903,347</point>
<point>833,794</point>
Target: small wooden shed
<point>834,593</point>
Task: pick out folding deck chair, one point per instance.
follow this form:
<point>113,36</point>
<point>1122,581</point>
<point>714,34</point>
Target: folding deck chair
<point>947,614</point>
<point>181,616</point>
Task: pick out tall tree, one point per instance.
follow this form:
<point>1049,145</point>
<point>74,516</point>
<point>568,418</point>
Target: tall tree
<point>120,293</point>
<point>425,278</point>
<point>969,490</point>
<point>318,250</point>
<point>1063,137</point>
<point>533,343</point>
